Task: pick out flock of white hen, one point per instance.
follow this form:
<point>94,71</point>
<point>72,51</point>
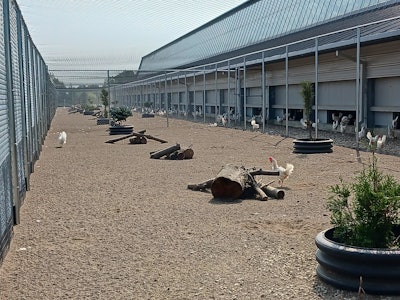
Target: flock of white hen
<point>284,172</point>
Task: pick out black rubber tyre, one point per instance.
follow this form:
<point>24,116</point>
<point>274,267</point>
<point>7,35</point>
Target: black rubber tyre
<point>114,130</point>
<point>342,266</point>
<point>307,146</point>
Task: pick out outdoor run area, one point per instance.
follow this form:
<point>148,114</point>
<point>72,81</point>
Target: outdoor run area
<point>105,221</point>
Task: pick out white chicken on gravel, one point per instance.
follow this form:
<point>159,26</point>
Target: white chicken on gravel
<point>284,173</point>
<point>62,138</point>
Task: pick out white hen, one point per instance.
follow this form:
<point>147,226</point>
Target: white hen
<point>362,132</point>
<point>394,122</point>
<point>303,123</point>
<point>381,141</point>
<point>254,124</point>
<point>62,138</point>
<point>284,173</point>
<point>372,139</point>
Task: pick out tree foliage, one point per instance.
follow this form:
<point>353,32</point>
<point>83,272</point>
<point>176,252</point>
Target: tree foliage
<point>307,93</point>
<point>120,114</point>
<point>365,211</point>
<point>104,101</point>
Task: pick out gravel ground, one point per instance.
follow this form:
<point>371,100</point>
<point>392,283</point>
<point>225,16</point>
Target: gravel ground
<point>104,221</point>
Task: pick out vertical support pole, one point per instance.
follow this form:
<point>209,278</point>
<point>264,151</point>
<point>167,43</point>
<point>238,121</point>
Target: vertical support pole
<point>263,89</point>
<point>204,94</point>
<point>194,94</point>
<point>358,87</point>
<point>244,94</point>
<point>172,90</point>
<point>229,93</point>
<point>166,97</point>
<point>11,114</point>
<point>187,97</point>
<point>22,82</point>
<point>178,95</point>
<point>316,88</point>
<point>109,97</point>
<point>217,104</point>
<point>237,95</point>
<point>287,89</point>
<point>159,94</point>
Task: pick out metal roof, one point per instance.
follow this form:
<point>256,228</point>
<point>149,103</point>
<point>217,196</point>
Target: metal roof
<point>268,24</point>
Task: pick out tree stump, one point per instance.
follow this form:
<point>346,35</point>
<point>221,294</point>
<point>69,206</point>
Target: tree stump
<point>138,140</point>
<point>166,151</point>
<point>181,154</point>
<point>230,182</point>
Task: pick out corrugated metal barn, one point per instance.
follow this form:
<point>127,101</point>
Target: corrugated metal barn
<point>249,63</point>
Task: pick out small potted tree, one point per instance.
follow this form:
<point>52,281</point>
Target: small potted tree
<point>104,100</point>
<point>147,112</point>
<point>119,115</point>
<point>310,144</point>
<point>361,251</point>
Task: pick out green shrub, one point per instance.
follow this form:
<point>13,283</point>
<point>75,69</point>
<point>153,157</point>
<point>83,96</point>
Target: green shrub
<point>120,114</point>
<point>365,212</point>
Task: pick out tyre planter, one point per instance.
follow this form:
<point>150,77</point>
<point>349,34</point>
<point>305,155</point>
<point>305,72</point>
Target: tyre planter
<point>114,130</point>
<point>103,121</point>
<point>147,115</point>
<point>88,113</point>
<point>309,146</point>
<point>342,266</point>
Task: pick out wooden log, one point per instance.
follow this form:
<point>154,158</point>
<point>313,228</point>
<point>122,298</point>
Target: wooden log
<point>174,156</point>
<point>125,137</point>
<point>230,182</point>
<point>257,188</point>
<point>181,154</point>
<point>160,153</point>
<point>262,172</point>
<point>273,192</point>
<point>201,186</point>
<point>149,137</point>
<point>138,140</point>
<point>187,153</point>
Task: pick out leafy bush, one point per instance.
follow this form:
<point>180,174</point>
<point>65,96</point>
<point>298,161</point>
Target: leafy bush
<point>120,114</point>
<point>365,212</point>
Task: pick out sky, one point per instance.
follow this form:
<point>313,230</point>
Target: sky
<point>112,34</point>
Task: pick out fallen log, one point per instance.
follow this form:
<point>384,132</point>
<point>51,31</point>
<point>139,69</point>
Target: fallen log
<point>257,188</point>
<point>125,137</point>
<point>233,182</point>
<point>230,182</point>
<point>181,154</point>
<point>273,192</point>
<point>149,137</point>
<point>138,140</point>
<point>201,186</point>
<point>262,172</point>
<point>160,153</point>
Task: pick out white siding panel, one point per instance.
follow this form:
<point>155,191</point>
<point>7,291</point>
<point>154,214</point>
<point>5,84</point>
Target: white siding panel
<point>387,92</point>
<point>337,94</point>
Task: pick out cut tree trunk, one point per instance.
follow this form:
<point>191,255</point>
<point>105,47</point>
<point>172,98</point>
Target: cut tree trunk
<point>230,182</point>
<point>125,137</point>
<point>149,137</point>
<point>138,140</point>
<point>161,153</point>
<point>181,154</point>
<point>233,182</point>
